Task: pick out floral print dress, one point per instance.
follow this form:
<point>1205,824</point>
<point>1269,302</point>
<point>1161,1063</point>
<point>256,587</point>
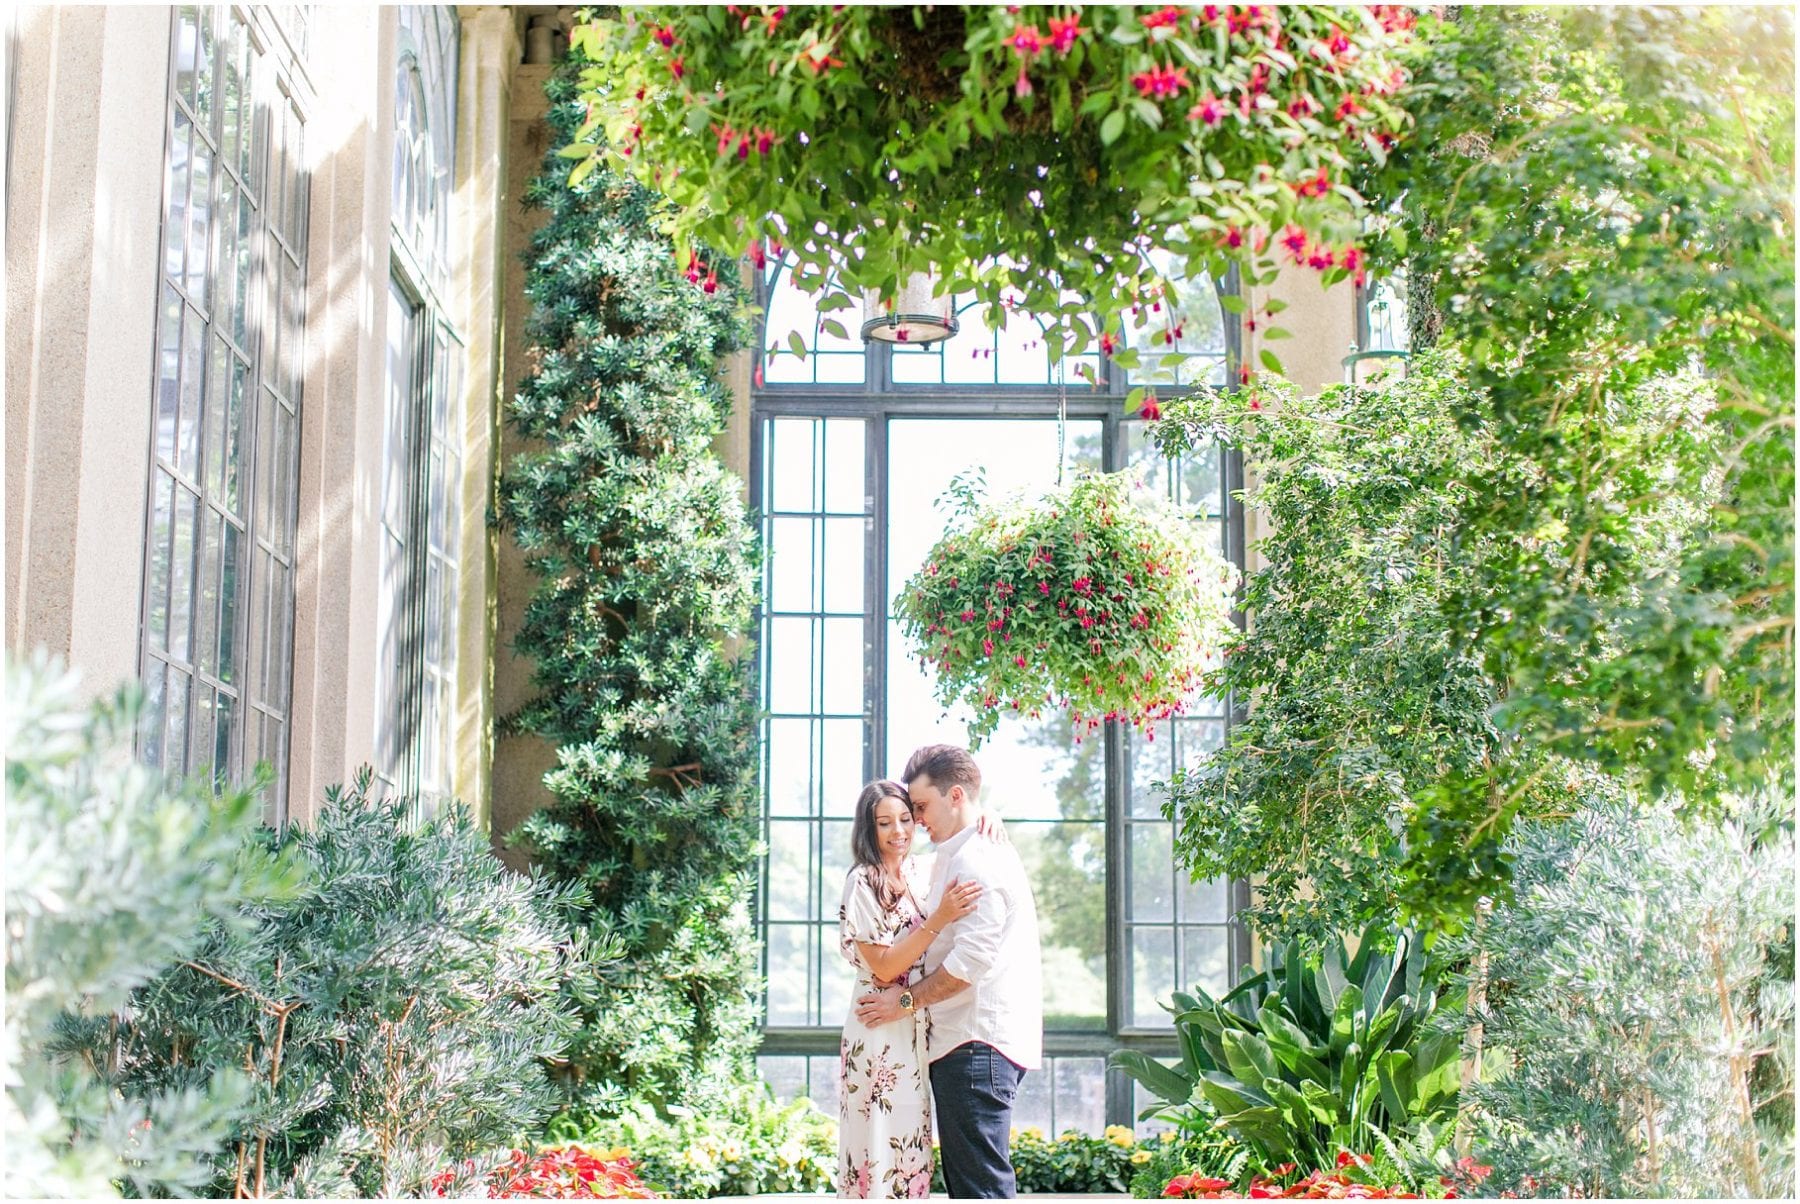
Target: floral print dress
<point>884,1097</point>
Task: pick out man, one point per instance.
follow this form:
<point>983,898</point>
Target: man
<point>982,982</point>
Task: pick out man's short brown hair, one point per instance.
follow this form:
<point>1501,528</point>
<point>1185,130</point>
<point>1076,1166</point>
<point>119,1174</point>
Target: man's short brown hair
<point>946,765</point>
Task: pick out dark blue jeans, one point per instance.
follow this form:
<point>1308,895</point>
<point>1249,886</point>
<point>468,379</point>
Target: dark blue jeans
<point>974,1086</point>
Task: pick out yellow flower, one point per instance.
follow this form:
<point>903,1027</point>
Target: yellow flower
<point>731,1152</point>
<point>1139,1157</point>
<point>1168,1135</point>
<point>1120,1136</point>
<point>1069,1135</point>
<point>1031,1133</point>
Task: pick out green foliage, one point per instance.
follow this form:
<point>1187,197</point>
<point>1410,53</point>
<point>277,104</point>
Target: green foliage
<point>1630,998</point>
<point>1073,1162</point>
<point>112,876</point>
<point>1346,792</point>
<point>1033,160</point>
<point>1316,1055</point>
<point>638,539</point>
<point>393,1015</point>
<point>1187,1151</point>
<point>1094,598</point>
<point>735,1143</point>
<point>1582,226</point>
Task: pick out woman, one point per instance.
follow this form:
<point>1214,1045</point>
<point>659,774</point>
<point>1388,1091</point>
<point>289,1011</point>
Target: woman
<point>884,1096</point>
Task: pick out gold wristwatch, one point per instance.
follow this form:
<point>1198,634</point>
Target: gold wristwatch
<point>906,1000</point>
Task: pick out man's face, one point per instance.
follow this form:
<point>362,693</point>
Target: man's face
<point>931,807</point>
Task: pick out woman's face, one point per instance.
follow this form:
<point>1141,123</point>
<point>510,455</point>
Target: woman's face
<point>893,827</point>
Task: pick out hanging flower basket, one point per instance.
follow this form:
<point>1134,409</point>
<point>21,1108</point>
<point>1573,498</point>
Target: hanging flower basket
<point>1097,598</point>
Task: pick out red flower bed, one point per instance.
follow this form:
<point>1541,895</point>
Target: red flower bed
<point>1338,1184</point>
<point>569,1173</point>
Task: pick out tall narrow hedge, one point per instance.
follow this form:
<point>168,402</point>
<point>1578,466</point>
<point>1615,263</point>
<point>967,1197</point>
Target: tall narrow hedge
<point>646,567</point>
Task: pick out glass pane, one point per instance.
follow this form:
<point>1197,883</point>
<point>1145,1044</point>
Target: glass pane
<point>1066,865</point>
<point>193,350</point>
<point>843,664</point>
<point>233,451</point>
<point>787,974</point>
<point>790,844</point>
<point>1152,976</point>
<point>204,80</point>
<point>175,225</point>
<point>823,1076</point>
<point>280,635</point>
<point>837,979</point>
<point>203,734</point>
<point>845,479</point>
<point>1033,1107</point>
<point>791,468</point>
<point>1151,897</point>
<point>1150,767</point>
<point>1141,1101</point>
<point>786,1077</point>
<point>152,724</point>
<point>162,534</point>
<point>199,238</point>
<point>181,574</point>
<point>187,51</point>
<point>228,594</point>
<point>1207,901</point>
<point>175,722</point>
<point>206,616</point>
<point>1182,343</point>
<point>1206,960</point>
<point>834,863</point>
<point>789,744</point>
<point>841,753</point>
<point>790,567</point>
<point>218,381</point>
<point>789,657</point>
<point>168,385</point>
<point>1081,1094</point>
<point>222,767</point>
<point>843,568</point>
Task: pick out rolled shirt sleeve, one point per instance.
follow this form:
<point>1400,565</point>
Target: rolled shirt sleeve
<point>978,935</point>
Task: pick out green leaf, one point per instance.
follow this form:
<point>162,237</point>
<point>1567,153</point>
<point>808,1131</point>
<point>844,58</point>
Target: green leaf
<point>1232,303</point>
<point>1270,360</point>
<point>1111,126</point>
<point>1163,1082</point>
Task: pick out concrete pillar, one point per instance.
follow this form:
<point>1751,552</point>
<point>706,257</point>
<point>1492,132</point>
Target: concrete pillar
<point>480,256</point>
<point>520,759</point>
<point>349,141</point>
<point>83,232</point>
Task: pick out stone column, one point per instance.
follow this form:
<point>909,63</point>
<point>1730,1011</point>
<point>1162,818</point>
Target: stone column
<point>520,760</point>
<point>349,140</point>
<point>83,234</point>
<point>479,260</point>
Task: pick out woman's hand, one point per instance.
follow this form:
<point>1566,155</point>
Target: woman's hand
<point>958,901</point>
<point>990,827</point>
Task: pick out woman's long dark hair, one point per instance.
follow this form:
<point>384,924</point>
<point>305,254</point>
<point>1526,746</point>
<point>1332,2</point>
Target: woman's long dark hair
<point>865,846</point>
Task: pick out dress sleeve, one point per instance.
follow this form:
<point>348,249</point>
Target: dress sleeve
<point>861,918</point>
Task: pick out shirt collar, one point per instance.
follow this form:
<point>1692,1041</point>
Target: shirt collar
<point>949,847</point>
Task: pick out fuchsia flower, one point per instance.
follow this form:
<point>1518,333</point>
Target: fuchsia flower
<point>1166,18</point>
<point>1160,81</point>
<point>664,36</point>
<point>1149,411</point>
<point>1233,238</point>
<point>1064,31</point>
<point>1026,42</point>
<point>1210,110</point>
<point>678,67</point>
<point>1108,344</point>
<point>773,19</point>
<point>1348,108</point>
<point>987,647</point>
<point>1293,237</point>
<point>1318,185</point>
<point>1303,105</point>
<point>1321,258</point>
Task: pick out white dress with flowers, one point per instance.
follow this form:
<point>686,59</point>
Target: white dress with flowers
<point>884,1097</point>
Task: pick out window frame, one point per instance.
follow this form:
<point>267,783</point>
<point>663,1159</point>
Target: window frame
<point>876,401</point>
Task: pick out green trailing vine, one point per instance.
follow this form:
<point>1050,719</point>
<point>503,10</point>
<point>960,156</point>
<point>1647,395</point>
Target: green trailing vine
<point>645,567</point>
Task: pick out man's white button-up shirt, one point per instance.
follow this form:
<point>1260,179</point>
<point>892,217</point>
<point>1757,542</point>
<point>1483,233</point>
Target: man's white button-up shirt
<point>994,949</point>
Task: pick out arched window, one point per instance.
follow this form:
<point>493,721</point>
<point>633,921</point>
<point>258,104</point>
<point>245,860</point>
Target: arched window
<point>422,431</point>
<point>849,456</point>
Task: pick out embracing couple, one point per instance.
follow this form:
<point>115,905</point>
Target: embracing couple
<point>947,1007</point>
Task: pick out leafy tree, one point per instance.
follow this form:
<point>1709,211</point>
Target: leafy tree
<point>1630,995</point>
<point>113,875</point>
<point>1580,226</point>
<point>1366,710</point>
<point>394,1014</point>
<point>637,535</point>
